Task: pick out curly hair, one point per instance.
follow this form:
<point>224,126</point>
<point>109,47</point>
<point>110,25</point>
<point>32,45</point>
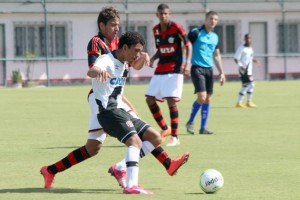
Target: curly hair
<point>131,38</point>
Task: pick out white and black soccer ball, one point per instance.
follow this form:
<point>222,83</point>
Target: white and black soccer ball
<point>211,181</point>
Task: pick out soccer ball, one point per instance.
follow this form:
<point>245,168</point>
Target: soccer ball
<point>211,181</point>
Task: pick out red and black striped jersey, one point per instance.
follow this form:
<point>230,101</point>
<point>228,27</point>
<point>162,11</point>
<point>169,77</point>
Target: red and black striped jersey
<point>169,44</point>
<point>98,45</point>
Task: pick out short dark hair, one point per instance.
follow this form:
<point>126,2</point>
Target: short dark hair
<point>211,13</point>
<point>106,14</point>
<point>247,35</point>
<point>162,6</point>
<point>131,38</point>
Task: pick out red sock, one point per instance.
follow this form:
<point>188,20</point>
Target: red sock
<point>157,114</point>
<point>72,158</point>
<point>174,120</point>
<point>162,156</point>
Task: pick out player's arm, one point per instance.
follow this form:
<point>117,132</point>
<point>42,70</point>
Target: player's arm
<point>153,58</point>
<point>141,61</point>
<point>218,62</point>
<point>237,57</point>
<point>187,65</point>
<point>256,61</point>
<point>98,73</point>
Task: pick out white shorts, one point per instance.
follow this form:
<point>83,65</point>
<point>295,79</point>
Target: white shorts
<point>96,131</point>
<point>166,86</point>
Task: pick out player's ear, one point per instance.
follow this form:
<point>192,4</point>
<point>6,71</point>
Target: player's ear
<point>101,26</point>
<point>125,47</point>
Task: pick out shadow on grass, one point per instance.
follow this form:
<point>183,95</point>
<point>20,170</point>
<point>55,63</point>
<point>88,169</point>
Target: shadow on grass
<point>58,190</point>
<point>73,147</point>
<point>195,193</point>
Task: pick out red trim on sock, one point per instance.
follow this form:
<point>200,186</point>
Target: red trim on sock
<point>162,157</point>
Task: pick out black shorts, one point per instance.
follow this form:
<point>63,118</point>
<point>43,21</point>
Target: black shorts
<point>203,79</point>
<point>120,124</point>
<point>245,78</point>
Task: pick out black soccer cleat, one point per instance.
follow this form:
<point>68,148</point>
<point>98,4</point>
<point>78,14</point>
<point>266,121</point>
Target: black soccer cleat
<point>205,131</point>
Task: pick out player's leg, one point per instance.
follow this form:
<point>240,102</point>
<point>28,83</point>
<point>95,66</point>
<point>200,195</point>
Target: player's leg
<point>204,99</point>
<point>96,137</point>
<point>241,95</point>
<point>198,82</point>
<point>250,90</point>
<point>151,139</point>
<point>117,122</point>
<point>171,165</point>
<point>172,92</point>
<point>242,92</point>
<point>190,123</point>
<point>174,116</point>
<point>152,95</point>
<point>76,156</point>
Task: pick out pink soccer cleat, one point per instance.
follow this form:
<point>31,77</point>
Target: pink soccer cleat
<point>48,177</point>
<point>136,190</point>
<point>120,175</point>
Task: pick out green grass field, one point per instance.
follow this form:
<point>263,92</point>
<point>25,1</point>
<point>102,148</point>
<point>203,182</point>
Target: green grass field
<point>256,150</point>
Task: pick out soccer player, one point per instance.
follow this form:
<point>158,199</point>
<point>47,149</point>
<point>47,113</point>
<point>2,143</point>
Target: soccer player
<point>167,82</point>
<point>115,120</point>
<point>205,51</point>
<point>244,59</point>
<point>103,43</point>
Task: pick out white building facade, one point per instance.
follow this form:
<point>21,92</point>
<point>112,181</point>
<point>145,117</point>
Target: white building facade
<point>274,26</point>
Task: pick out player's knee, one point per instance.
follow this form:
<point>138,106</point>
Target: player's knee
<point>156,140</point>
<point>150,100</point>
<point>93,149</point>
<point>152,136</point>
<point>201,99</point>
<point>246,84</point>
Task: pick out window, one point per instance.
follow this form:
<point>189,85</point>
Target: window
<point>226,38</point>
<point>142,29</point>
<point>291,38</point>
<point>32,39</point>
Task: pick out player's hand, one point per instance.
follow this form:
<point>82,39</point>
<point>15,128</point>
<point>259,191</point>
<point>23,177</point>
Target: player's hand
<point>141,61</point>
<point>187,70</point>
<point>222,79</point>
<point>242,70</point>
<point>103,76</point>
<point>146,58</point>
<point>151,63</point>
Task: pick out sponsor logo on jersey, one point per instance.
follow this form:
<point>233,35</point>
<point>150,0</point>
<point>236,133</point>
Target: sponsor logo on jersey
<point>167,50</point>
<point>117,81</point>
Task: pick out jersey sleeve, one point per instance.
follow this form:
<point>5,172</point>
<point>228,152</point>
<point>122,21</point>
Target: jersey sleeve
<point>102,62</point>
<point>193,35</point>
<point>182,34</point>
<point>238,53</point>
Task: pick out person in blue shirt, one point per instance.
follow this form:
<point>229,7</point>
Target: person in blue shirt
<point>205,54</point>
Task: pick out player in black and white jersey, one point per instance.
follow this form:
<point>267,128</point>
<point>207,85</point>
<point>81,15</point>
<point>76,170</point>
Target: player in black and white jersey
<point>115,120</point>
<point>244,59</point>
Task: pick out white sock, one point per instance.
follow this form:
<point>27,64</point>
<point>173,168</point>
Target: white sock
<point>132,164</point>
<point>147,147</point>
<point>242,93</point>
<point>250,90</point>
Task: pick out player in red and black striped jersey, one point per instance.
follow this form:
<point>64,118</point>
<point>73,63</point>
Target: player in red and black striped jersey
<point>167,82</point>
